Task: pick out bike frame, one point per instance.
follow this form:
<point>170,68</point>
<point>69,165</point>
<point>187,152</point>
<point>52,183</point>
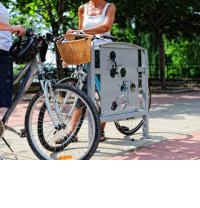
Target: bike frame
<point>27,75</point>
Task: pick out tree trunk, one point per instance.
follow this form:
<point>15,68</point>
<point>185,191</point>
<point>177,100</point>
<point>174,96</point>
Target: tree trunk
<point>60,69</point>
<point>162,59</point>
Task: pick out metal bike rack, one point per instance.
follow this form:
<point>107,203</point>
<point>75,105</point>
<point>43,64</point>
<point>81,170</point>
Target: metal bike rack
<point>122,69</point>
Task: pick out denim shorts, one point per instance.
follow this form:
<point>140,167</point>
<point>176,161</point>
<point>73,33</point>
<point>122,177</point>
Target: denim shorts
<point>6,79</point>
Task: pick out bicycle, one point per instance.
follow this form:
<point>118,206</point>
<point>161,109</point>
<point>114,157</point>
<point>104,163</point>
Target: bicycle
<point>79,79</point>
<point>49,112</point>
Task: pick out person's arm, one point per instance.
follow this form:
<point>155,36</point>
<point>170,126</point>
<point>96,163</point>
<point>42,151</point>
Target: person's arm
<point>80,17</point>
<point>107,24</point>
<point>5,27</point>
<point>19,29</point>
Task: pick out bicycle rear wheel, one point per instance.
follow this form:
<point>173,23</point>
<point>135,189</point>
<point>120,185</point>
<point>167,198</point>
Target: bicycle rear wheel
<point>130,126</point>
<point>42,134</point>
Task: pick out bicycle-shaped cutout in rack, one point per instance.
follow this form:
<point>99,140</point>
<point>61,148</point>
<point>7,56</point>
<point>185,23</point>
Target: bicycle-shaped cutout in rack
<point>79,79</point>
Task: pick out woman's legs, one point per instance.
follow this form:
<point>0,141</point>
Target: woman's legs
<point>102,138</point>
<point>103,125</point>
<point>77,112</point>
<point>76,115</point>
<point>75,119</point>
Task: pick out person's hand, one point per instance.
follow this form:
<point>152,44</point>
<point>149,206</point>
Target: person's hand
<point>64,65</point>
<point>75,31</point>
<point>70,31</point>
<point>18,29</point>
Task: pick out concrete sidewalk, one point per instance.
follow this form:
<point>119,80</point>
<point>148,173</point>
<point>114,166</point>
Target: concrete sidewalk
<point>173,120</point>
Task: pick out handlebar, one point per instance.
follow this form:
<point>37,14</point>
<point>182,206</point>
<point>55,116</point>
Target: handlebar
<point>43,41</point>
<point>29,32</point>
<point>48,37</point>
<point>93,37</point>
<point>110,37</point>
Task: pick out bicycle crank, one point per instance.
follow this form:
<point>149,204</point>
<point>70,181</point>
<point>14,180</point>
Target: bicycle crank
<point>2,128</point>
<point>9,147</point>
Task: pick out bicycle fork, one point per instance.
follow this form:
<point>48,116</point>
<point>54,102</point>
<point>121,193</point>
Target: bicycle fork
<point>48,93</point>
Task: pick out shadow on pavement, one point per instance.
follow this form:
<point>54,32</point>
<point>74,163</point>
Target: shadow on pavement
<point>181,148</point>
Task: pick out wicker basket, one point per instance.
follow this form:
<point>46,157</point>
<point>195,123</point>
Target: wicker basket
<point>75,49</point>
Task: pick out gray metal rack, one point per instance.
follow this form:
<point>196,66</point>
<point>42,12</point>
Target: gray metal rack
<point>122,70</point>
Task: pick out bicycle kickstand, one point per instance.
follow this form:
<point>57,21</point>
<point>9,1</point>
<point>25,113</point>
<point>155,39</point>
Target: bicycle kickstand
<point>9,148</point>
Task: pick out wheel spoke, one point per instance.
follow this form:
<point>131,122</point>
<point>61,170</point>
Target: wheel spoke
<point>42,134</point>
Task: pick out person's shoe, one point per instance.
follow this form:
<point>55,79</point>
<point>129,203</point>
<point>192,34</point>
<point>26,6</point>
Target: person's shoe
<point>62,140</point>
<point>102,137</point>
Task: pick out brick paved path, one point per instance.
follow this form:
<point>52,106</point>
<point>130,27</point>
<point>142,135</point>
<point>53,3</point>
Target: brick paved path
<point>186,147</point>
<point>174,131</point>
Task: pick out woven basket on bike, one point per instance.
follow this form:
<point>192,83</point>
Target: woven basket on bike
<point>24,50</point>
<point>75,49</point>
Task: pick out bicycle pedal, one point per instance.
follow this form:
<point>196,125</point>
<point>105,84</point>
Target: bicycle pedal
<point>2,128</point>
<point>1,157</point>
<point>22,133</point>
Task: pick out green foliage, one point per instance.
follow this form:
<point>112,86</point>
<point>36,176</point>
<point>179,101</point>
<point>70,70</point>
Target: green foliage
<point>124,34</point>
<point>162,26</point>
<point>17,68</point>
<point>59,15</point>
<point>172,18</point>
<point>183,56</point>
<point>176,52</point>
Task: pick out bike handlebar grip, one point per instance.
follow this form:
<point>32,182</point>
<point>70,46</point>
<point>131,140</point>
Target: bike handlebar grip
<point>110,37</point>
<point>105,37</point>
<point>29,31</point>
<point>49,37</point>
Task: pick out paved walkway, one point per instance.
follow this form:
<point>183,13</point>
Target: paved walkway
<point>186,147</point>
<point>174,132</point>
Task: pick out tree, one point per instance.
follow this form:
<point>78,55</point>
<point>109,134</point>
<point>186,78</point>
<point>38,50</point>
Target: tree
<point>154,19</point>
<point>59,15</point>
<point>170,17</point>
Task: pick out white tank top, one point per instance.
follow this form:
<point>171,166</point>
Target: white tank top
<point>94,21</point>
<point>5,36</point>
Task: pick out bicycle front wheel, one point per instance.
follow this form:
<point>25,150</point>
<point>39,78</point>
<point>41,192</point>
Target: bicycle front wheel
<point>42,133</point>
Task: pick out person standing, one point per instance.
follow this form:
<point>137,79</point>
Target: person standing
<point>96,17</point>
<point>6,65</point>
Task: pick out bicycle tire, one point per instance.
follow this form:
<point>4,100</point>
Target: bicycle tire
<point>124,129</point>
<point>92,109</point>
<point>69,81</point>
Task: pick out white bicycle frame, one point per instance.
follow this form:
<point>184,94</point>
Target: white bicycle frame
<point>28,74</point>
